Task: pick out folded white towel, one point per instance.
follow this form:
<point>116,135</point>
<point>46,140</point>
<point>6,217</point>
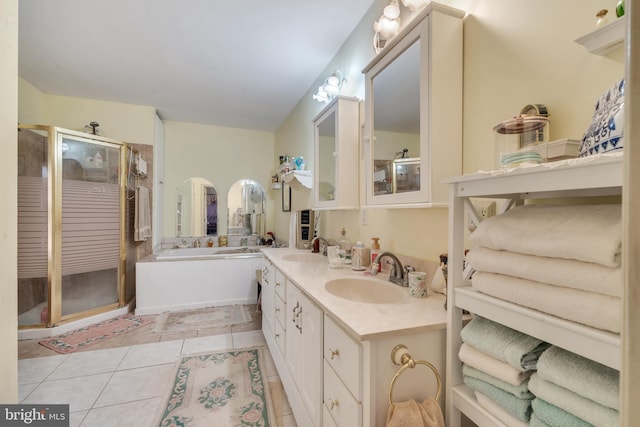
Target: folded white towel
<point>498,411</point>
<point>580,375</point>
<point>595,310</point>
<point>589,233</point>
<point>585,276</point>
<point>581,407</point>
<point>492,366</point>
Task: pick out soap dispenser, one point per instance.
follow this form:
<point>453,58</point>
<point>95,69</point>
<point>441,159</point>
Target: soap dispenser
<point>375,250</point>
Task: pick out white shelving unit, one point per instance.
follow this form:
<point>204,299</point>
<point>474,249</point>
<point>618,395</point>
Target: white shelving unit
<point>585,177</point>
<point>604,39</point>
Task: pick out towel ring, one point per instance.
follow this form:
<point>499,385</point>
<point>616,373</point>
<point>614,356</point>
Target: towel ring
<point>407,362</point>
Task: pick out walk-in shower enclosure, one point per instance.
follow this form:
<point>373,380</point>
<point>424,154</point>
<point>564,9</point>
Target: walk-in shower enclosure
<point>71,225</point>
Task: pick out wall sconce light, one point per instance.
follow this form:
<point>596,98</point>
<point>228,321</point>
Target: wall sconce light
<point>330,88</point>
<point>414,5</point>
<point>387,26</point>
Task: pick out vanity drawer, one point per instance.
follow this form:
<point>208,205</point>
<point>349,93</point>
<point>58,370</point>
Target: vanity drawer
<point>338,401</point>
<point>344,355</point>
<point>278,336</point>
<point>279,285</point>
<point>278,310</point>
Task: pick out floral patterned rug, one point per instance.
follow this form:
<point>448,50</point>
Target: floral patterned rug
<point>203,318</point>
<point>84,337</point>
<point>219,389</point>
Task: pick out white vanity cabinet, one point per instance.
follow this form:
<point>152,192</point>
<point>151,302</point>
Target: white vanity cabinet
<point>588,177</point>
<point>336,131</point>
<point>337,372</point>
<point>303,353</point>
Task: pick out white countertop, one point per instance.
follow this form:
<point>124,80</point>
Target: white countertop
<point>365,321</point>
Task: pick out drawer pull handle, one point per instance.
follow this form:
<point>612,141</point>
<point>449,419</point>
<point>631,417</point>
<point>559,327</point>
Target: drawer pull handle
<point>334,353</point>
<point>277,335</point>
<point>277,310</point>
<point>277,284</point>
<point>332,403</point>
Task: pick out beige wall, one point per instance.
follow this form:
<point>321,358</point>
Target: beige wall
<point>515,53</point>
<point>221,155</point>
<point>8,216</point>
<point>123,122</point>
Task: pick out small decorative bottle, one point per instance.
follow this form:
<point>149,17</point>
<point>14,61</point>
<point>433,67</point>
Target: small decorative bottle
<point>602,17</point>
<point>620,8</point>
<point>375,250</point>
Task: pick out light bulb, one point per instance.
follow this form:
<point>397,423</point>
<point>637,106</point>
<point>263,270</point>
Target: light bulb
<point>392,10</point>
<point>387,27</point>
<point>333,80</point>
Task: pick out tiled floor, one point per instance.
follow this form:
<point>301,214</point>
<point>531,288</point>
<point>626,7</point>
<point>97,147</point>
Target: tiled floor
<point>123,380</point>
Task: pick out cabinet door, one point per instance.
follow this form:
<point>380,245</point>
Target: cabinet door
<point>336,155</point>
<point>268,295</point>
<point>304,350</point>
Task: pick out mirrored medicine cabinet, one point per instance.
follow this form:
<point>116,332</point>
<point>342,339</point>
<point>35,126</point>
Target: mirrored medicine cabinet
<point>336,138</point>
<point>413,112</point>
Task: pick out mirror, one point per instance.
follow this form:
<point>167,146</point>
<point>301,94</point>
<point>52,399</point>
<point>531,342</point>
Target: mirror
<point>413,108</point>
<point>246,206</point>
<point>396,124</point>
<point>326,129</point>
<point>196,208</point>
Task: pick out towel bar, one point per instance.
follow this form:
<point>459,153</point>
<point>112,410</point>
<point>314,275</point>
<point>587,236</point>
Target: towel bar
<point>407,362</point>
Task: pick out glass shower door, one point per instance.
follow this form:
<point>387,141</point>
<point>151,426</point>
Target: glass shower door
<point>90,225</point>
<point>33,237</point>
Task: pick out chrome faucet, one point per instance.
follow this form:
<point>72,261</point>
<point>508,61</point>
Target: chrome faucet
<point>397,274</point>
<point>322,240</point>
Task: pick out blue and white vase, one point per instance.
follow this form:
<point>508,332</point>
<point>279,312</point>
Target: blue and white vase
<point>607,125</point>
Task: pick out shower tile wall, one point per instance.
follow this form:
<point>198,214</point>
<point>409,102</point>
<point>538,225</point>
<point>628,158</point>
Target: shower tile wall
<point>137,250</point>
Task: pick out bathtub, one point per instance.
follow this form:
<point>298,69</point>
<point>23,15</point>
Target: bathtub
<point>208,253</point>
<point>181,279</point>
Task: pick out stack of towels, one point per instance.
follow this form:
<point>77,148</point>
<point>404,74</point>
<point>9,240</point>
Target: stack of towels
<point>497,364</point>
<point>560,260</point>
<point>573,391</point>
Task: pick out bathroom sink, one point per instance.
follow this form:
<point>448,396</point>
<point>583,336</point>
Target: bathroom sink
<point>373,291</point>
<point>304,257</point>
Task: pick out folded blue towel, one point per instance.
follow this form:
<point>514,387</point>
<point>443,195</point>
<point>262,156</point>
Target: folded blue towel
<point>517,349</point>
<point>520,391</point>
<point>580,375</point>
<point>553,416</point>
<point>536,422</point>
<point>586,409</point>
<point>519,408</point>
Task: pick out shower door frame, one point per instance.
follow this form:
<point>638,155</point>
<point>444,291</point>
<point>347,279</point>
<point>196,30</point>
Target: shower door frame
<point>54,223</point>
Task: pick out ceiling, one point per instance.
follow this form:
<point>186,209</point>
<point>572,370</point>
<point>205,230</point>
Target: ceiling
<point>235,63</point>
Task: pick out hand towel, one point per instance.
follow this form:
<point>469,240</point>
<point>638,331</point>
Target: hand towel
<point>517,349</point>
<point>589,233</point>
<point>573,403</point>
<point>595,310</point>
<point>492,366</point>
<point>414,414</point>
<point>553,416</point>
<point>585,276</point>
<point>142,215</point>
<point>518,408</point>
<point>497,411</point>
<point>580,375</point>
<point>520,391</point>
